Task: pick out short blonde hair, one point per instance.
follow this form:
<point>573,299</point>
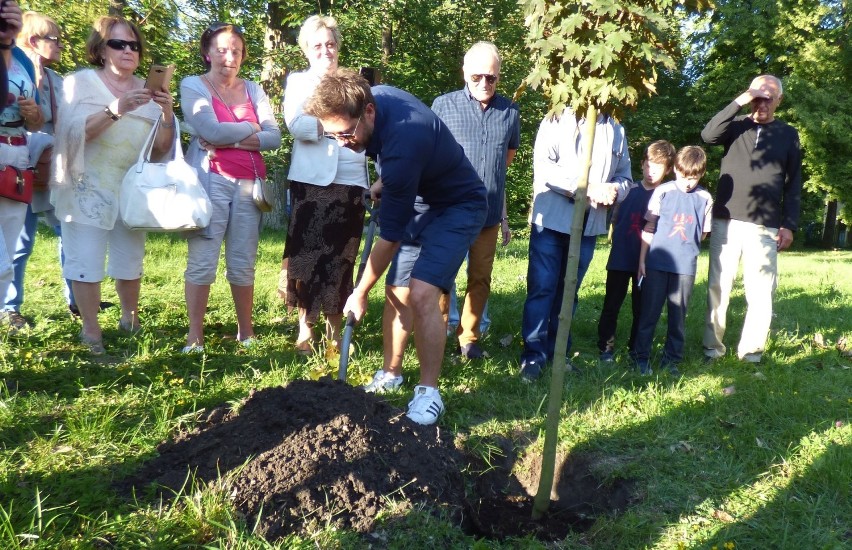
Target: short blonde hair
<point>36,25</point>
<point>314,23</point>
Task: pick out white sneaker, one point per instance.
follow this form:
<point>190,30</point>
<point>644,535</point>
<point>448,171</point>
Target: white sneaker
<point>382,382</point>
<point>426,406</point>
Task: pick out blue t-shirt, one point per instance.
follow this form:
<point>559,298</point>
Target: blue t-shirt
<point>627,230</point>
<point>423,168</point>
<point>683,217</point>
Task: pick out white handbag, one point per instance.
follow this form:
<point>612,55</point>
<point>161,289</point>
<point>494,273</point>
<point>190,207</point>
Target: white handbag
<point>163,196</point>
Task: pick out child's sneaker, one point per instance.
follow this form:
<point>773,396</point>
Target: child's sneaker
<point>426,406</point>
<point>382,382</point>
<point>644,368</point>
<point>606,356</point>
<point>531,370</point>
<point>671,367</point>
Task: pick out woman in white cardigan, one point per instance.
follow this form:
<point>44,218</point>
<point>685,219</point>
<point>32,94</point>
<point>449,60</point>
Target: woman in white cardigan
<point>326,184</point>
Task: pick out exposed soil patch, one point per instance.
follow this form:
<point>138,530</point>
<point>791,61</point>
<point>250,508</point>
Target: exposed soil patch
<point>325,453</point>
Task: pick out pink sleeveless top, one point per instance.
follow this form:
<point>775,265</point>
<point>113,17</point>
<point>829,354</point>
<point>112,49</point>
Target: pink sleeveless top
<point>236,163</point>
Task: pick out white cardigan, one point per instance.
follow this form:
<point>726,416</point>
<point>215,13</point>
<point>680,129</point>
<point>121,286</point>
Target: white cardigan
<point>314,158</point>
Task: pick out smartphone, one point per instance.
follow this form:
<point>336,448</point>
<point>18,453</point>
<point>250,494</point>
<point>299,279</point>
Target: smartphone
<point>159,77</point>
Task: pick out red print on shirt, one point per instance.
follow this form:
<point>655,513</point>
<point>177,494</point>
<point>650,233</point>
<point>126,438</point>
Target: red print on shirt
<point>637,222</point>
<point>680,223</point>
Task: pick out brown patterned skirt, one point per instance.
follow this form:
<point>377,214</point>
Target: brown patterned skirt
<point>322,241</point>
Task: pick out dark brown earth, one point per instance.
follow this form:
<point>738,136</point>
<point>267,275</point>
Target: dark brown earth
<point>325,453</point>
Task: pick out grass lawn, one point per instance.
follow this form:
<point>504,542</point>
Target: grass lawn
<point>728,456</point>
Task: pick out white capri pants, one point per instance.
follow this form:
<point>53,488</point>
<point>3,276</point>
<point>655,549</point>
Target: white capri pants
<point>86,249</point>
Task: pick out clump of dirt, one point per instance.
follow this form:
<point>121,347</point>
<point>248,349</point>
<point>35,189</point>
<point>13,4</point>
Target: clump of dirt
<point>325,453</point>
<point>320,452</point>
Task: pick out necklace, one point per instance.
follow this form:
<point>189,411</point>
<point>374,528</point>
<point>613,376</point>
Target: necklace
<point>231,92</point>
<point>116,90</point>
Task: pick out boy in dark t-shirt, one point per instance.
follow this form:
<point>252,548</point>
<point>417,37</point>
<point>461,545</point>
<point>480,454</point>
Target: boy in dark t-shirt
<point>677,220</point>
<point>623,263</point>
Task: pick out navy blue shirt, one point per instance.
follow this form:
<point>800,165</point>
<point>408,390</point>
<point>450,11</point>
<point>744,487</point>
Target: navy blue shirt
<point>422,166</point>
<point>627,227</point>
<point>486,136</point>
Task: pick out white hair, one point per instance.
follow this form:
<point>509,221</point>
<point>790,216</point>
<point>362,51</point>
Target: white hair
<point>483,47</point>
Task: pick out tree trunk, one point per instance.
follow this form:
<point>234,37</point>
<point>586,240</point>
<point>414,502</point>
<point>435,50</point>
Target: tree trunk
<point>116,8</point>
<point>541,502</point>
<point>830,225</point>
<point>274,73</point>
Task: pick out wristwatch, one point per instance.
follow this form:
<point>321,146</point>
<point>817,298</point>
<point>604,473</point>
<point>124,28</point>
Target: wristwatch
<point>110,114</point>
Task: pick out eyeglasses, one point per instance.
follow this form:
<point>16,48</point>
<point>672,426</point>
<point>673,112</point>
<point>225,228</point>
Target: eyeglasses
<point>344,136</point>
<point>55,39</point>
<point>489,78</point>
<point>120,45</point>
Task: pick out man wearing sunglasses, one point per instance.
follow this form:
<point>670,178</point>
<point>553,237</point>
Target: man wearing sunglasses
<point>487,125</point>
<point>433,207</point>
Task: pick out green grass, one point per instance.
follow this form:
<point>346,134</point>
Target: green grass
<point>730,455</point>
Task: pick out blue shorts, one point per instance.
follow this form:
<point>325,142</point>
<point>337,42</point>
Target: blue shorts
<point>435,245</point>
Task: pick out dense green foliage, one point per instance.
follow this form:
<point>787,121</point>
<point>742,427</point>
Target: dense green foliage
<point>418,45</point>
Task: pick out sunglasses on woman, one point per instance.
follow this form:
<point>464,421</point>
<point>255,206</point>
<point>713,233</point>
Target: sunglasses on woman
<point>120,45</point>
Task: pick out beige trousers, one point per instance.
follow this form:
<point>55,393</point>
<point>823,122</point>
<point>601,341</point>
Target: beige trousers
<point>730,242</point>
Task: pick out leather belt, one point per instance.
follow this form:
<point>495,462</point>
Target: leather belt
<point>14,140</point>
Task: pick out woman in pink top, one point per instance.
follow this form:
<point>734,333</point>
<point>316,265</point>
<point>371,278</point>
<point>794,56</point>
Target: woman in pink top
<point>232,122</point>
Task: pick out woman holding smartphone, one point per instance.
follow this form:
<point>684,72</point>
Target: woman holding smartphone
<point>104,120</point>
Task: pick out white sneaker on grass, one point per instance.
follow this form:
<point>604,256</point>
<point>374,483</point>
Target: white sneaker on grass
<point>426,406</point>
<point>383,381</point>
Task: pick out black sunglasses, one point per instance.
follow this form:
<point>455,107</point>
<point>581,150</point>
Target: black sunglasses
<point>490,78</point>
<point>119,45</point>
<point>218,26</point>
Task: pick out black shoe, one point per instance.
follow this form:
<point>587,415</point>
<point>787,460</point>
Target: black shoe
<point>472,351</point>
<point>14,321</point>
<point>531,370</point>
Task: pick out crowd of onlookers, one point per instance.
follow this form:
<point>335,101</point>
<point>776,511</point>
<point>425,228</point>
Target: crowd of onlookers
<point>441,186</point>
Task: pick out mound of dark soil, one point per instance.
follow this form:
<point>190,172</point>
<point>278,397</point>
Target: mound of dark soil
<point>321,452</point>
<point>325,453</point>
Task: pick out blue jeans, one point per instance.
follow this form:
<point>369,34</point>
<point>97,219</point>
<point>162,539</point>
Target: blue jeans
<point>23,250</point>
<point>548,259</point>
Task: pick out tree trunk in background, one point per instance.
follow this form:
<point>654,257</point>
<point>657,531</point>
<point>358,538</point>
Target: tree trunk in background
<point>116,7</point>
<point>274,74</point>
<point>830,225</point>
<point>387,39</point>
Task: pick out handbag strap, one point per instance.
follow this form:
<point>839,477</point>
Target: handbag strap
<point>228,107</point>
<point>53,109</point>
<point>145,153</point>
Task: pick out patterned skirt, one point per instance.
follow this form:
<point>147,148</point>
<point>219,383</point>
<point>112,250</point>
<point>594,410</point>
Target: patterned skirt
<point>322,241</point>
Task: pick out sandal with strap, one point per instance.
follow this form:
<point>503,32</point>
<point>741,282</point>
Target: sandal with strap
<point>96,347</point>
